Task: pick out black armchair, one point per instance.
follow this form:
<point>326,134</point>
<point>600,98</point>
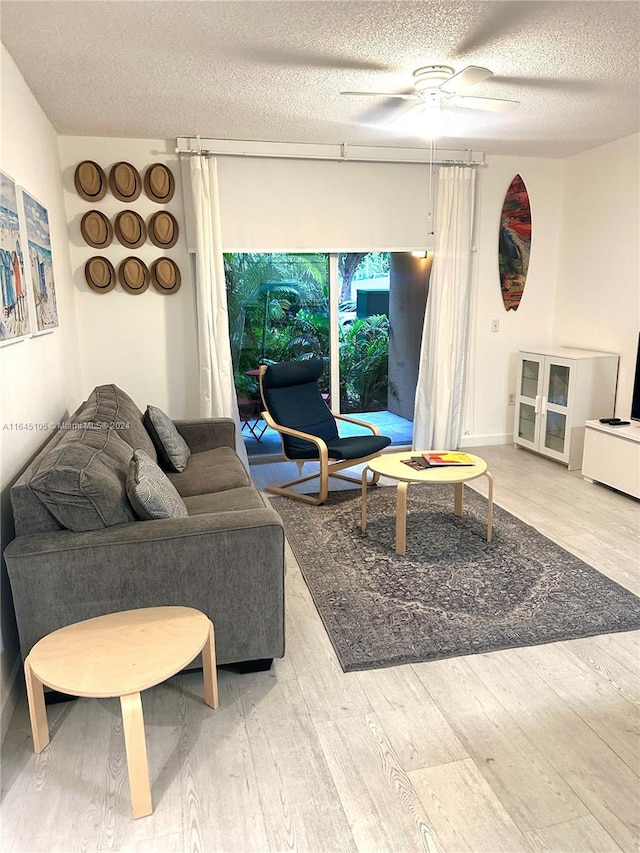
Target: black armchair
<point>293,405</point>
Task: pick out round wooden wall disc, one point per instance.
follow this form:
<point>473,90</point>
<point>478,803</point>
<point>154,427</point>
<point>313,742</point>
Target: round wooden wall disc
<point>163,230</point>
<point>90,181</point>
<point>125,182</point>
<point>130,229</point>
<point>159,183</point>
<point>100,274</point>
<point>165,276</point>
<point>96,229</point>
<point>133,275</point>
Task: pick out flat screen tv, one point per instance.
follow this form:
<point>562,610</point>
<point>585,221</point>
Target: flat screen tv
<point>635,399</point>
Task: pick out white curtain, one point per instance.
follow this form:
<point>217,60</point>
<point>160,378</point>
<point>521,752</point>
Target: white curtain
<point>217,390</point>
<point>443,356</point>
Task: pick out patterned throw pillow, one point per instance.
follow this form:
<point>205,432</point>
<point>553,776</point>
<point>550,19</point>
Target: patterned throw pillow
<point>173,451</point>
<point>151,493</point>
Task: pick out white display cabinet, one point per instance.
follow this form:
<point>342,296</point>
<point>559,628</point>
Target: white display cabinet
<point>558,390</point>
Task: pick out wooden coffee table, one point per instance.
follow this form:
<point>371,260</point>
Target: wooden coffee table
<point>119,655</point>
<point>391,465</point>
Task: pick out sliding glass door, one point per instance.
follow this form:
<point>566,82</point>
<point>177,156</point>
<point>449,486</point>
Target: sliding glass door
<point>363,331</point>
<point>340,307</point>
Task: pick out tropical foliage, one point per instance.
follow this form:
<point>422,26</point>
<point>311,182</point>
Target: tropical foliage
<point>364,358</point>
<point>278,307</point>
<point>263,292</point>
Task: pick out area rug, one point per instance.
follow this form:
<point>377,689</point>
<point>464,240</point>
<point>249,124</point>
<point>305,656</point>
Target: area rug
<point>454,593</point>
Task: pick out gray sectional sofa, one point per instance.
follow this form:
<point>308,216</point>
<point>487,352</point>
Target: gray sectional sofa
<point>225,558</point>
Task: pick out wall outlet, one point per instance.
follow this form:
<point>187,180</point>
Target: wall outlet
<point>495,325</point>
<point>512,399</point>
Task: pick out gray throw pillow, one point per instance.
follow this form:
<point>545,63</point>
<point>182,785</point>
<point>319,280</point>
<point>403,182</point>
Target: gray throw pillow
<point>109,404</point>
<point>173,451</point>
<point>82,481</point>
<point>150,491</point>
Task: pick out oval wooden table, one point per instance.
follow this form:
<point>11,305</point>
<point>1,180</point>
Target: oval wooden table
<point>120,655</point>
<point>391,465</point>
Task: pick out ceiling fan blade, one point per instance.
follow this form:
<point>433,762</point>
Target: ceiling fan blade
<point>467,77</point>
<point>493,105</point>
<point>407,115</point>
<point>496,22</point>
<point>383,95</point>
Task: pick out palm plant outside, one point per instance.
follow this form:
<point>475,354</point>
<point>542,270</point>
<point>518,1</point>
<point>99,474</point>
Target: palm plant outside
<point>364,357</point>
<point>278,306</point>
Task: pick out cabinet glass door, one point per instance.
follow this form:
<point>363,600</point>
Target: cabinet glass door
<point>558,387</point>
<point>529,378</point>
<point>555,431</point>
<point>557,392</point>
<point>527,421</point>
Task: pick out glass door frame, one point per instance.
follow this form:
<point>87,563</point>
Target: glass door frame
<point>334,337</point>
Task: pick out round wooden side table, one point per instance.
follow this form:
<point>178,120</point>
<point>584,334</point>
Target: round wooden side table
<point>120,655</point>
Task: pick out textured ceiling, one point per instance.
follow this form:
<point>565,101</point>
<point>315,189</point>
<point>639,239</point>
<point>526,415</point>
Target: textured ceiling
<point>274,70</point>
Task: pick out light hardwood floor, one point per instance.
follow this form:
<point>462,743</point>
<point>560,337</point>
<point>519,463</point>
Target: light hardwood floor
<point>531,749</point>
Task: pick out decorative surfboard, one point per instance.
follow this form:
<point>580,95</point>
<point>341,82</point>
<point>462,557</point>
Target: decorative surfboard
<point>515,243</point>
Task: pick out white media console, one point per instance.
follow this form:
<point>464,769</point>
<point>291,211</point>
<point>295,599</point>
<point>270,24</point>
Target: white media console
<point>612,456</point>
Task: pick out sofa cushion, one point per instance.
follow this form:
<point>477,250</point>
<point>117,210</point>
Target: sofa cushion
<point>211,471</point>
<point>245,497</point>
<point>30,515</point>
<point>173,451</point>
<point>108,404</point>
<point>82,481</point>
<point>151,493</point>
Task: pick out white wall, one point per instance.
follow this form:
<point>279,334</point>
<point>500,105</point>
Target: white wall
<point>39,377</point>
<point>144,343</point>
<point>598,292</point>
<point>488,418</point>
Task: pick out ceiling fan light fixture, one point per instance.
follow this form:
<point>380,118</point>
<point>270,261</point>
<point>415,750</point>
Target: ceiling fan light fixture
<point>435,86</point>
<point>431,77</point>
<point>434,121</point>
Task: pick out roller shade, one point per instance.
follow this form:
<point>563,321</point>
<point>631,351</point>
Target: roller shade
<point>318,205</point>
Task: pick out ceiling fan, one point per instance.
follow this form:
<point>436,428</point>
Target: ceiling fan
<point>437,86</point>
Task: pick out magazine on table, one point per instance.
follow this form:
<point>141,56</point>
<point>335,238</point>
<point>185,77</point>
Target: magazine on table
<point>416,462</point>
<point>447,459</point>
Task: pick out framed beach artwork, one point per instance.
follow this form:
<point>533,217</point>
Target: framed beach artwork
<point>38,263</point>
<point>15,322</point>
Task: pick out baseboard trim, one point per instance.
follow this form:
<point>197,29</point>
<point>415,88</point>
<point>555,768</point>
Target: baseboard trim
<point>486,440</point>
<point>10,697</point>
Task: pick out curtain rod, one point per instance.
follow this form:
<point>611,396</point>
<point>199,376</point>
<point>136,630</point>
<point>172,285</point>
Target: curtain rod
<point>322,151</point>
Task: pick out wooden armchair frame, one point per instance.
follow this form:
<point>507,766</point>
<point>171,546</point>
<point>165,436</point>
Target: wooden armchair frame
<point>327,469</point>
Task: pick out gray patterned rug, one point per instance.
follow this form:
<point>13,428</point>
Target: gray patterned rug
<point>454,593</point>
